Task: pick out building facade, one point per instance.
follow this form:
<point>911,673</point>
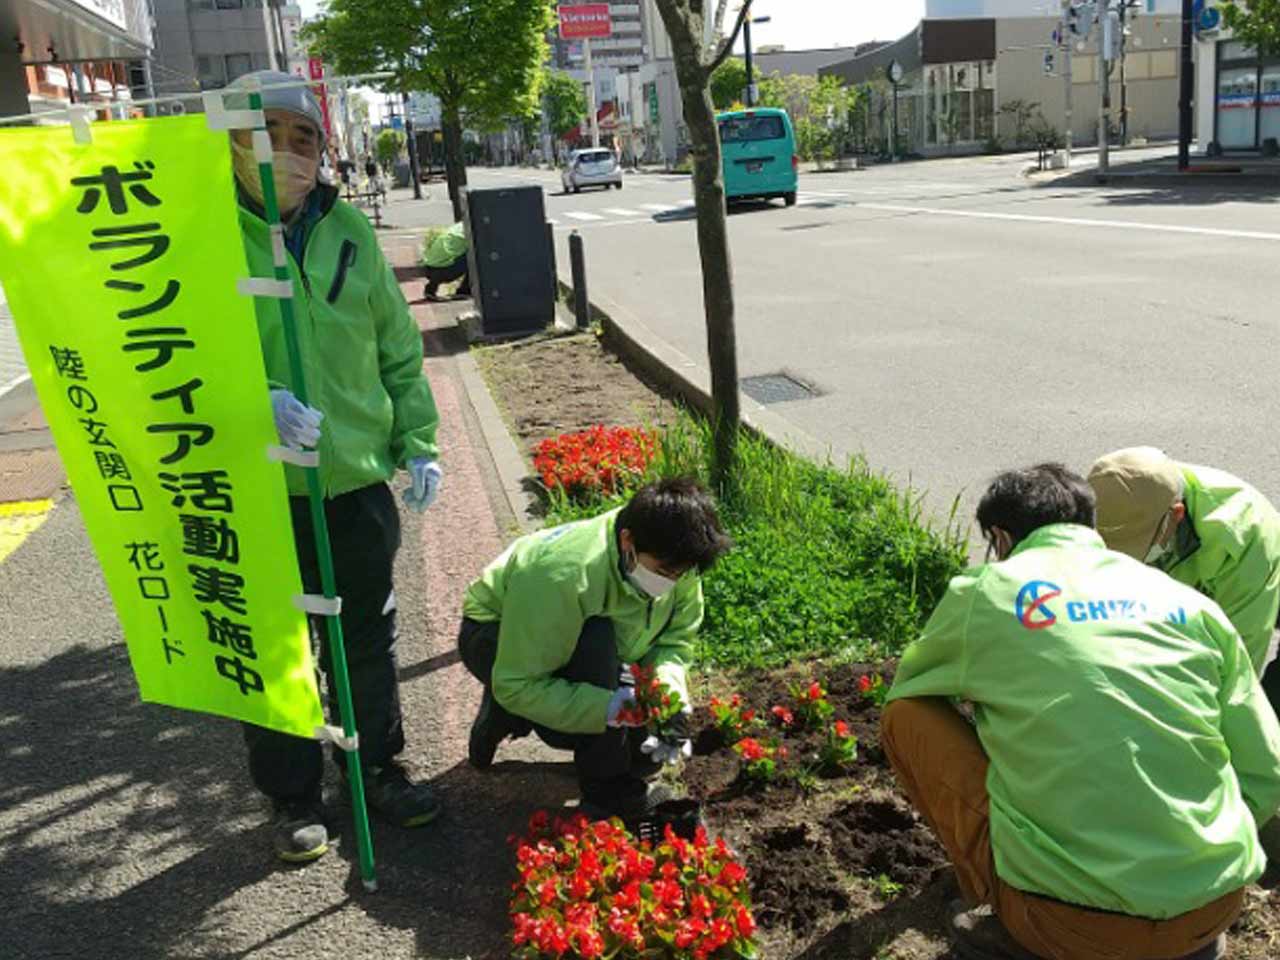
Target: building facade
<point>970,81</point>
<point>1237,96</point>
<point>56,52</point>
<point>205,44</point>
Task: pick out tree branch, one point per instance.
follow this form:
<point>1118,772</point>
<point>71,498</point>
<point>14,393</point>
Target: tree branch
<point>727,47</point>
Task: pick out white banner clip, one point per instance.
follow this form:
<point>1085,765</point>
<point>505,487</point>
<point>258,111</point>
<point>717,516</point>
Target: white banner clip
<point>265,287</point>
<point>340,740</point>
<point>320,606</point>
<point>220,118</point>
<point>299,458</point>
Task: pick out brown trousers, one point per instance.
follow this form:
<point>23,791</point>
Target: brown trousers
<point>942,767</point>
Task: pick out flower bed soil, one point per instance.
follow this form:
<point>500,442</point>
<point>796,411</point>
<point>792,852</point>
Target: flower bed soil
<point>840,868</point>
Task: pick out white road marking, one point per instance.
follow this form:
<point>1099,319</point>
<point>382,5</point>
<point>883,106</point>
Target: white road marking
<point>1074,221</point>
<point>658,207</point>
<point>553,221</point>
<point>623,212</point>
<point>579,215</point>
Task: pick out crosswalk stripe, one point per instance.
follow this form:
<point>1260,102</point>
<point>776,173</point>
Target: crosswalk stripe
<point>623,212</point>
<point>553,221</point>
<point>658,207</point>
<point>578,215</point>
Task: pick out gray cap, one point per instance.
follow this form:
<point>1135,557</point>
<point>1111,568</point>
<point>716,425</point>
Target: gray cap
<point>296,99</point>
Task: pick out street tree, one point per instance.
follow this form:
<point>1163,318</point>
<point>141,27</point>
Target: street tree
<point>389,146</point>
<point>1256,22</point>
<point>728,83</point>
<point>565,102</point>
<point>698,49</point>
<point>481,58</point>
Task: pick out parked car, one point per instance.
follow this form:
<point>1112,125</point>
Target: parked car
<point>760,160</point>
<point>597,167</point>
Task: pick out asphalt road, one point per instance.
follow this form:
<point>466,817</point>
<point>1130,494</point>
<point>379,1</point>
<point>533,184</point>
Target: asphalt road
<point>956,318</point>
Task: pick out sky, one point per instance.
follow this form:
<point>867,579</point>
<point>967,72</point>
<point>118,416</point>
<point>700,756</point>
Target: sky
<point>804,24</point>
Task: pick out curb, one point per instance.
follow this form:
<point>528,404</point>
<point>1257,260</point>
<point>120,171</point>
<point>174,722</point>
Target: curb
<point>632,340</point>
<point>507,459</point>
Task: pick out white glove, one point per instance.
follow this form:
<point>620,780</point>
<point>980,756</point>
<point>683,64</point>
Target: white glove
<point>426,475</point>
<point>297,424</point>
<point>624,698</point>
<point>660,751</point>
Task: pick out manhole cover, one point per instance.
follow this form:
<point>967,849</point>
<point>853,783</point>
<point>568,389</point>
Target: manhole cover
<point>776,388</point>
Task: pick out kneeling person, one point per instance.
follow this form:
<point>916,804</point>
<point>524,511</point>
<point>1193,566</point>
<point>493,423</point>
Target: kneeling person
<point>1107,803</point>
<point>550,625</point>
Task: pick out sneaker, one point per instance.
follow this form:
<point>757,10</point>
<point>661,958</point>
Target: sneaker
<point>392,795</point>
<point>1216,950</point>
<point>980,935</point>
<point>1270,838</point>
<point>629,798</point>
<point>487,731</point>
<point>301,831</point>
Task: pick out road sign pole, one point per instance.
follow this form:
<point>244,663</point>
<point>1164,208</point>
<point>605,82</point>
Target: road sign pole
<point>591,93</point>
<point>1105,39</point>
<point>1186,90</point>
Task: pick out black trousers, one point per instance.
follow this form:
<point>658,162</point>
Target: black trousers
<point>598,757</point>
<point>364,533</point>
<point>449,273</point>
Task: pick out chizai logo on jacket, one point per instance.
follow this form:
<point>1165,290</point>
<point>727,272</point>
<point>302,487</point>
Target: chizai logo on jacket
<point>1032,610</point>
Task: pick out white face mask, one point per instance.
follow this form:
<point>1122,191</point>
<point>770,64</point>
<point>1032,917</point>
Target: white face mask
<point>1158,550</point>
<point>651,584</point>
<point>295,176</point>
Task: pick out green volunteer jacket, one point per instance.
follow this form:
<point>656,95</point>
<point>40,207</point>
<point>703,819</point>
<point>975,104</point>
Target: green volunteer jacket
<point>1133,754</point>
<point>446,247</point>
<point>544,588</point>
<point>361,350</point>
<point>1230,551</point>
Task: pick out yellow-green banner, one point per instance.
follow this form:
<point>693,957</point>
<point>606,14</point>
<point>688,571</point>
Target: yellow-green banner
<point>120,259</point>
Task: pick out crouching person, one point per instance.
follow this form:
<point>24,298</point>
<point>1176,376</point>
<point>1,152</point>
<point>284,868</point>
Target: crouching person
<point>1107,803</point>
<point>550,626</point>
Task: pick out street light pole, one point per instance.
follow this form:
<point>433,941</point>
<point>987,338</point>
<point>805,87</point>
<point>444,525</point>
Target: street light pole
<point>751,76</point>
<point>1105,39</point>
<point>1067,79</point>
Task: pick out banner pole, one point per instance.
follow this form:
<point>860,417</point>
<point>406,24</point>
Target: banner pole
<point>337,647</point>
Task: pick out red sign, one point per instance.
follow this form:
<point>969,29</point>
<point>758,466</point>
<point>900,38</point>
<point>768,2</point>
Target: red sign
<point>585,21</point>
<point>315,67</point>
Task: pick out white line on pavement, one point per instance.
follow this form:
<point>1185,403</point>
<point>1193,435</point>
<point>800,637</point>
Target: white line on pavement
<point>1072,221</point>
<point>14,384</point>
<point>578,215</point>
<point>553,221</point>
<point>623,212</point>
<point>658,207</point>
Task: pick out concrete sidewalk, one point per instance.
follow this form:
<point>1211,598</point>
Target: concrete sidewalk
<point>132,830</point>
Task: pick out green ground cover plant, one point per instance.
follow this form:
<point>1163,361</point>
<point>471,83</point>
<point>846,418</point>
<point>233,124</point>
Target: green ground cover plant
<point>828,560</point>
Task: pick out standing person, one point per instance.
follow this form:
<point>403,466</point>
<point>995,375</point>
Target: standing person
<point>1106,800</point>
<point>446,261</point>
<point>373,413</point>
<point>549,625</point>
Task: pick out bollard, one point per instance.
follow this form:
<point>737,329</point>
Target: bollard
<point>578,262</point>
<point>555,276</point>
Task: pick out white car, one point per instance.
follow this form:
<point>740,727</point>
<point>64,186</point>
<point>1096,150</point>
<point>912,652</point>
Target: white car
<point>591,168</point>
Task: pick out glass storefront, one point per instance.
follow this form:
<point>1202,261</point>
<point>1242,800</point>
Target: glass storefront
<point>959,103</point>
<point>1248,98</point>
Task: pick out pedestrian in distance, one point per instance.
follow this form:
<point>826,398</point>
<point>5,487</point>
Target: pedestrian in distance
<point>550,624</point>
<point>1106,798</point>
<point>371,413</point>
<point>446,261</point>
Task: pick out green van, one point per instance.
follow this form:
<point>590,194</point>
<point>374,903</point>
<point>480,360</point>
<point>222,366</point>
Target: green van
<point>760,159</point>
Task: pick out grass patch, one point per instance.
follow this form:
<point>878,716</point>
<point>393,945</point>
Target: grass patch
<point>828,561</point>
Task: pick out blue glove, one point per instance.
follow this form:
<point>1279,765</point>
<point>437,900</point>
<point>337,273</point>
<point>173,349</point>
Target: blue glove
<point>426,476</point>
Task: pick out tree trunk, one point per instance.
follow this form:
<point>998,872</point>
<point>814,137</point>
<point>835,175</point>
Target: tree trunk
<point>455,163</point>
<point>713,239</point>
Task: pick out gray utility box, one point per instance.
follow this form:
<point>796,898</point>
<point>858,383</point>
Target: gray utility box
<point>511,260</point>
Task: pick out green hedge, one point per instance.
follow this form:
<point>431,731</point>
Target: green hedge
<point>827,561</point>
